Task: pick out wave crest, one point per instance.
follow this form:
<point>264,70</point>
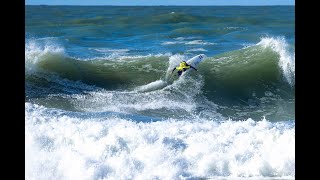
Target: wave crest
<point>287,59</point>
<point>36,51</point>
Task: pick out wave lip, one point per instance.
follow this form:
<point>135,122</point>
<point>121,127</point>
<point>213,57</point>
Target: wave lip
<point>287,60</point>
<point>36,52</point>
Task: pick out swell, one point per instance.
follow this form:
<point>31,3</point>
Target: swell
<point>149,20</point>
<point>65,15</point>
<point>249,82</point>
<point>268,62</point>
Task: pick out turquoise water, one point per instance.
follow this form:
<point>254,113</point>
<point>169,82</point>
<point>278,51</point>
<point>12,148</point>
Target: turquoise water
<point>100,93</point>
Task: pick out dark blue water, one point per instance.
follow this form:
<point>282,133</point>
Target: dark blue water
<point>149,30</point>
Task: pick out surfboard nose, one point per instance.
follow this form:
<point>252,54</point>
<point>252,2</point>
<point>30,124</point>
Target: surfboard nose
<point>201,56</point>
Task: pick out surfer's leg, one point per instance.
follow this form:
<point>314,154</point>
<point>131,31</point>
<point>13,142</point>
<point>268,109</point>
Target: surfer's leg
<point>179,73</point>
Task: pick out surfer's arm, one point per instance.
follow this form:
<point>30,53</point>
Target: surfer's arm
<point>173,70</point>
<point>193,68</point>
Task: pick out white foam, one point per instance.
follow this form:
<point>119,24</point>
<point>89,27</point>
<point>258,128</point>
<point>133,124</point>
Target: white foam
<point>120,57</point>
<point>193,42</point>
<point>171,42</point>
<point>197,49</point>
<point>185,38</point>
<point>63,147</point>
<point>201,42</point>
<point>36,49</point>
<point>108,50</point>
<point>287,59</point>
<point>110,54</point>
<point>247,45</point>
<point>125,102</point>
<point>236,28</point>
<point>152,86</point>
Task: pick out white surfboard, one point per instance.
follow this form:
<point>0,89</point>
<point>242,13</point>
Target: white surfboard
<point>195,61</point>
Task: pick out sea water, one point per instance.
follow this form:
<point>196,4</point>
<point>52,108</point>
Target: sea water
<point>101,102</point>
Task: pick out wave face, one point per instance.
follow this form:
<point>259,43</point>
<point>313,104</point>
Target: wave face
<point>101,101</point>
<point>252,80</point>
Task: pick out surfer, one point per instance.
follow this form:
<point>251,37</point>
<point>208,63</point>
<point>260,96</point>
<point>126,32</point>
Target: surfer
<point>183,67</point>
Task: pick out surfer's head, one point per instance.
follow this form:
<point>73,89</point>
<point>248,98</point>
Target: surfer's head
<point>183,63</point>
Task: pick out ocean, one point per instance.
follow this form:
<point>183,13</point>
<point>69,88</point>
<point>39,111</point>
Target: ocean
<point>101,101</point>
